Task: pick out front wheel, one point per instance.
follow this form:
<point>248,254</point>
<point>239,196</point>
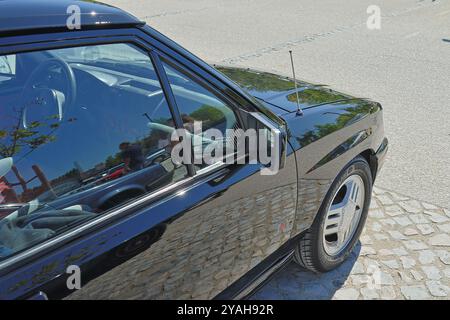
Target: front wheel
<point>340,220</point>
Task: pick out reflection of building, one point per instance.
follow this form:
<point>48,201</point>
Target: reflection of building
<point>97,169</point>
<point>100,166</point>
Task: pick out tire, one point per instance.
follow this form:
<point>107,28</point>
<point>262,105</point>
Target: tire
<point>315,250</point>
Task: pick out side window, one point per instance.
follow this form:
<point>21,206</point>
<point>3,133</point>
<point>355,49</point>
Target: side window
<point>88,130</point>
<point>200,106</point>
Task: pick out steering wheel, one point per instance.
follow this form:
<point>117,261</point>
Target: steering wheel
<point>36,92</point>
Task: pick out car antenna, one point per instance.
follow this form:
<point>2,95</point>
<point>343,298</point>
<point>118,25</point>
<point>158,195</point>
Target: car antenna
<point>299,110</point>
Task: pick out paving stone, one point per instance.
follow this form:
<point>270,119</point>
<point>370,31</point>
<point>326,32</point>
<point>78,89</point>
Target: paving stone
<point>431,272</point>
<point>410,232</point>
<point>444,227</point>
<point>385,279</point>
<point>380,236</point>
<point>425,229</point>
<point>398,197</point>
<point>444,256</point>
<point>400,251</point>
<point>447,273</point>
<point>396,235</point>
<point>405,277</point>
<point>426,256</point>
<point>437,218</point>
<point>411,206</point>
<point>419,218</point>
<point>416,274</point>
<point>360,279</point>
<point>385,199</point>
<point>376,227</point>
<point>371,264</point>
<point>441,240</point>
<point>393,264</point>
<point>358,268</point>
<point>394,211</point>
<point>388,222</point>
<point>376,213</point>
<point>447,212</point>
<point>346,294</point>
<point>429,206</point>
<point>403,221</point>
<point>385,252</point>
<point>373,204</point>
<point>416,292</point>
<point>366,240</point>
<point>365,251</point>
<point>388,293</point>
<point>407,262</point>
<point>377,190</point>
<point>437,289</point>
<point>369,293</point>
<point>415,245</point>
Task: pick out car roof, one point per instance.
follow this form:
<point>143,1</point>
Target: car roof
<point>28,15</point>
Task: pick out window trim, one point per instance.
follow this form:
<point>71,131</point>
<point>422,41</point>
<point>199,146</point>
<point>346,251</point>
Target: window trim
<point>163,58</point>
<point>203,82</point>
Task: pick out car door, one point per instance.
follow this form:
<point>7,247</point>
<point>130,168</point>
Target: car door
<point>156,229</point>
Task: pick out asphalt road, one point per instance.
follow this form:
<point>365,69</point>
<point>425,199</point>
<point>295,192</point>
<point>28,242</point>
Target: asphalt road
<point>405,65</point>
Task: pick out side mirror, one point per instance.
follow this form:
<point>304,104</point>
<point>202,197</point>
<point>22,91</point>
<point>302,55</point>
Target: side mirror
<point>275,138</point>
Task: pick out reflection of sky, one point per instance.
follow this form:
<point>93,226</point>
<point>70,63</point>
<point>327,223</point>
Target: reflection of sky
<point>87,141</point>
<point>105,117</point>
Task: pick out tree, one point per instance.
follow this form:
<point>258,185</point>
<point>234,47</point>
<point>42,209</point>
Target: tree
<point>14,139</point>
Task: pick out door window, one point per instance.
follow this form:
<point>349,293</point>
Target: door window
<point>88,131</point>
<point>209,119</point>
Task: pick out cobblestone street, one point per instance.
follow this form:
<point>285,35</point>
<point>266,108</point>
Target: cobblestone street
<point>404,253</point>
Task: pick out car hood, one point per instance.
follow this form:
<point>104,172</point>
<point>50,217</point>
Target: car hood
<point>279,91</point>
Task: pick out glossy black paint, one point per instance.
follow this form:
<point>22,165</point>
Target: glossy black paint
<point>211,234</point>
<point>24,16</point>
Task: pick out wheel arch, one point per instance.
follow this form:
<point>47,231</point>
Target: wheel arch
<point>372,160</point>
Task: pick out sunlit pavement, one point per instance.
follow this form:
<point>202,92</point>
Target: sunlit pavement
<point>404,251</point>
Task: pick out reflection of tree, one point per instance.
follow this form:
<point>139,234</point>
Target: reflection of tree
<point>14,139</point>
<point>316,96</point>
<point>346,117</point>
<point>260,81</point>
<point>208,114</point>
<point>17,138</point>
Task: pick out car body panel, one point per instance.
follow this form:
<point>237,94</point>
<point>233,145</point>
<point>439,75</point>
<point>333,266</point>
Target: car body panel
<point>213,221</point>
<point>20,16</point>
<point>280,91</point>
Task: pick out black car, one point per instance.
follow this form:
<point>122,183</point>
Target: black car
<point>94,206</point>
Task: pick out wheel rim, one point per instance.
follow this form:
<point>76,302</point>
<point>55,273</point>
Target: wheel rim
<point>343,215</point>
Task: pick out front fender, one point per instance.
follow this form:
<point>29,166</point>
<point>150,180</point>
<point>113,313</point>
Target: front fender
<point>325,139</point>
